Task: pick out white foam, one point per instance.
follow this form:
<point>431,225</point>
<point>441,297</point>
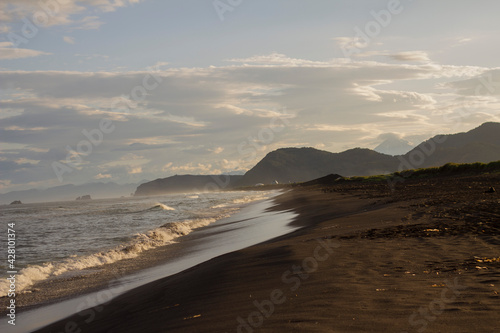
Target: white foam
<point>163,235</point>
<point>162,206</point>
<point>219,206</point>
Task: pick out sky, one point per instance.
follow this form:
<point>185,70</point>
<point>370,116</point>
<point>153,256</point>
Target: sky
<point>127,90</point>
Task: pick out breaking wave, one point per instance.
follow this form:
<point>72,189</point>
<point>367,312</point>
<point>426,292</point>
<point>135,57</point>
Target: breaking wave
<point>163,235</point>
<point>132,245</point>
<point>162,206</point>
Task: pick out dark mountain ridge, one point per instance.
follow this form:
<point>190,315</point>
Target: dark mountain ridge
<point>290,165</point>
<point>285,165</point>
<point>187,183</point>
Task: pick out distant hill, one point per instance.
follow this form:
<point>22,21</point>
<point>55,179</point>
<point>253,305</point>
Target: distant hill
<point>69,192</point>
<point>187,183</point>
<point>286,165</point>
<point>481,144</point>
<point>303,164</point>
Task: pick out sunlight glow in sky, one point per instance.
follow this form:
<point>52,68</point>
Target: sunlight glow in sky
<point>126,90</point>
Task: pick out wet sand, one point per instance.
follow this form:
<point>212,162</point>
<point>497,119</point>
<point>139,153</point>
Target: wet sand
<point>425,257</point>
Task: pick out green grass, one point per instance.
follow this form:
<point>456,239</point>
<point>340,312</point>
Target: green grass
<point>448,169</point>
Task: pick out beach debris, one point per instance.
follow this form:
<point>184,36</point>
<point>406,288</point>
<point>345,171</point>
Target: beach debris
<point>485,259</point>
<point>490,190</point>
<point>193,317</point>
<point>171,306</point>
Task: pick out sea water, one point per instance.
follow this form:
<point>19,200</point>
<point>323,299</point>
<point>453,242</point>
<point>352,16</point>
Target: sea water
<point>53,239</point>
<point>236,224</point>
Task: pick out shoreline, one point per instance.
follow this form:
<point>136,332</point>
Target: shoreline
<point>96,277</point>
<point>99,285</point>
<point>393,261</point>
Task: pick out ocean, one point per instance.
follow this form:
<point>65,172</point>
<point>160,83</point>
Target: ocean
<point>61,238</point>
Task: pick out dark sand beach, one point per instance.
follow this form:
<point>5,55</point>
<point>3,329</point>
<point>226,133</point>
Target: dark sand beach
<point>422,258</point>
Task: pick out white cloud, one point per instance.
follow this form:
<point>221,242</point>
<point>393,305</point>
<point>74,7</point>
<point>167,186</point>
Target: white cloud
<point>75,13</point>
<point>485,84</point>
<point>88,23</point>
<point>217,150</point>
<point>464,40</point>
<point>418,56</point>
<point>103,176</point>
<point>8,51</point>
<point>277,59</point>
<point>69,40</point>
<point>197,118</point>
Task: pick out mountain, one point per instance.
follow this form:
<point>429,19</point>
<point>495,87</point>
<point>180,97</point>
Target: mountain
<point>69,192</point>
<point>302,164</point>
<point>394,146</point>
<point>286,165</point>
<point>481,144</point>
<point>187,183</point>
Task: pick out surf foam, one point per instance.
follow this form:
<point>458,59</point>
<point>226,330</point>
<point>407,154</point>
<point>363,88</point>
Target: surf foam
<point>163,235</point>
<point>141,242</point>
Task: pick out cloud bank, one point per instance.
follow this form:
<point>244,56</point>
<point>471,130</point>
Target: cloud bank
<point>221,119</point>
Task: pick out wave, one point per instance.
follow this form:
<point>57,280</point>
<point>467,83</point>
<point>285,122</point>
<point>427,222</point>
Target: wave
<point>162,207</point>
<point>219,206</point>
<point>164,235</point>
<point>161,236</point>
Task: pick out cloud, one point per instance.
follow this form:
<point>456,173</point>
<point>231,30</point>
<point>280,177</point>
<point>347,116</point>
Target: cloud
<point>92,56</point>
<point>390,136</point>
<point>194,119</point>
<point>486,84</point>
<point>277,59</point>
<point>8,51</point>
<point>463,40</point>
<point>418,56</point>
<point>88,23</point>
<point>74,13</point>
<point>217,150</point>
<point>135,170</point>
<point>101,176</point>
<point>69,40</point>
